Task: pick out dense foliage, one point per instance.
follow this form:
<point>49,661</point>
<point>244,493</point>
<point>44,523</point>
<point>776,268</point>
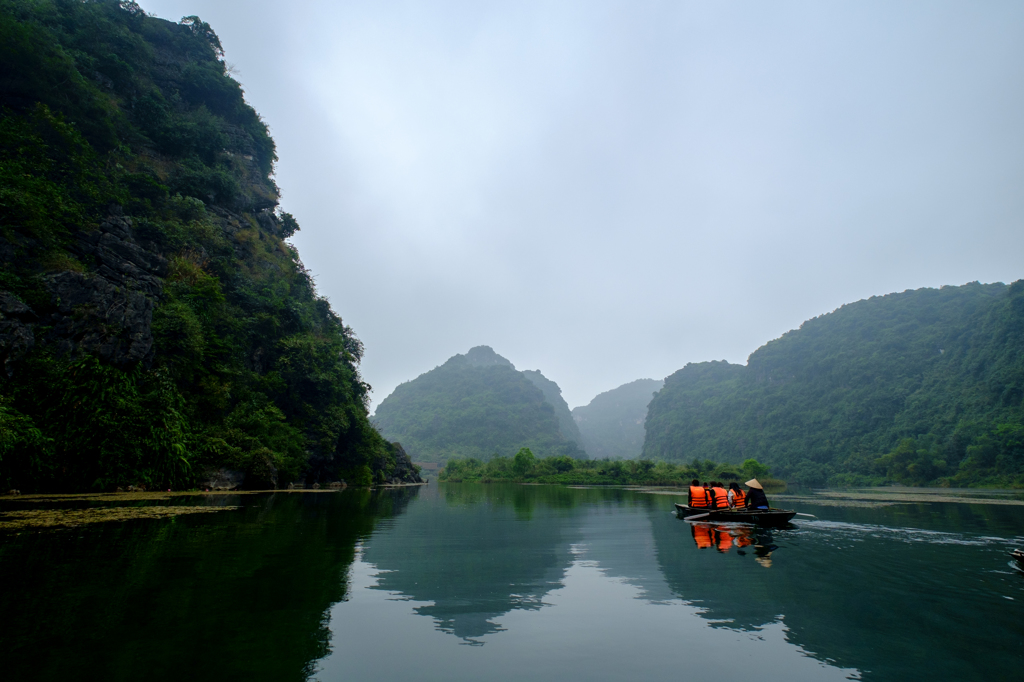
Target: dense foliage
<point>553,395</point>
<point>526,467</point>
<point>154,321</point>
<point>612,424</point>
<point>474,405</point>
<point>921,387</point>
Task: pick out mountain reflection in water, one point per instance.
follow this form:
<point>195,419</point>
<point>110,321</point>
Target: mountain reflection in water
<point>472,557</point>
<point>544,583</point>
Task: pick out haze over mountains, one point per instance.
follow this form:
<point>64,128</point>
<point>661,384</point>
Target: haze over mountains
<point>918,387</point>
<point>612,424</point>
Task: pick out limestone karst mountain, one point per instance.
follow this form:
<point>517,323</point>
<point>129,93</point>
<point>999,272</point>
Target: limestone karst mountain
<point>154,322</point>
<point>923,386</point>
<point>476,405</point>
<point>612,424</point>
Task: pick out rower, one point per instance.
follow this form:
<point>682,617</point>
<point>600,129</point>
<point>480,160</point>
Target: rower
<point>736,496</point>
<point>755,495</point>
<point>698,496</point>
<point>720,496</point>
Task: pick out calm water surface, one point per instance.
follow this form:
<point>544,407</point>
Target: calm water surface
<point>506,582</point>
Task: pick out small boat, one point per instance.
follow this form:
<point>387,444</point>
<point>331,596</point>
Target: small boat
<point>762,517</point>
<point>1018,554</point>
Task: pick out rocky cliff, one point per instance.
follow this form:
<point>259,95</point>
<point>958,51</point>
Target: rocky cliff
<point>154,322</point>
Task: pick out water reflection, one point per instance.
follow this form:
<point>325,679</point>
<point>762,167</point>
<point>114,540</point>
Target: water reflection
<point>557,583</point>
<point>858,592</point>
<point>235,595</point>
<point>479,553</point>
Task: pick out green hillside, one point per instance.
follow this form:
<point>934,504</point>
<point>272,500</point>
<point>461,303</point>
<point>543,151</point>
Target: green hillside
<point>919,387</point>
<point>154,324</point>
<point>474,405</point>
<point>553,395</point>
<point>612,424</point>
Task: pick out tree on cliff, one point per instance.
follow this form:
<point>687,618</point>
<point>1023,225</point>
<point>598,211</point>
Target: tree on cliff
<point>153,322</point>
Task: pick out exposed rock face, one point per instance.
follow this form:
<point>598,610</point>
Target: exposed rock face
<point>108,312</point>
<point>121,261</point>
<point>404,471</point>
<point>97,316</point>
<point>224,479</point>
<point>17,322</point>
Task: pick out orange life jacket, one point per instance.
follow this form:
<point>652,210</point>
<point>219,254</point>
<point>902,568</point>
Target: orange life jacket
<point>738,498</point>
<point>699,497</point>
<point>702,535</point>
<point>721,498</point>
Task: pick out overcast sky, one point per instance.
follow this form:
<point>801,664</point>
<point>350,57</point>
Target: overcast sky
<point>606,191</point>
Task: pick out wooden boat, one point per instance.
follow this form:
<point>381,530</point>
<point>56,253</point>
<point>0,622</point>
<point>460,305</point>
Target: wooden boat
<point>762,517</point>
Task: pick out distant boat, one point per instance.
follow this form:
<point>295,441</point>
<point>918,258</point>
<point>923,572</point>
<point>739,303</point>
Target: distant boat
<point>761,517</point>
<point>1017,554</point>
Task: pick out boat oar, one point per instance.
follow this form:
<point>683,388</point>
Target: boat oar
<point>802,514</point>
<point>698,516</point>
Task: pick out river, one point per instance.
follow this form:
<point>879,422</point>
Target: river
<point>508,582</point>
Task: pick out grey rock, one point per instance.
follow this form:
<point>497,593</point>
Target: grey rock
<point>17,330</point>
<point>222,479</point>
<point>12,306</point>
<point>16,339</point>
<point>404,471</point>
<point>96,316</point>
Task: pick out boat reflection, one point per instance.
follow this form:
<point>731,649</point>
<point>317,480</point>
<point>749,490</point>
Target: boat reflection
<point>724,536</point>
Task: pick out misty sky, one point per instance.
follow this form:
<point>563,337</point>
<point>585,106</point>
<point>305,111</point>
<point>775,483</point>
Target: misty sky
<point>608,190</point>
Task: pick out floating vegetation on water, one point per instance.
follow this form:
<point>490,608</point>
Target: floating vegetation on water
<point>154,495</point>
<point>30,519</point>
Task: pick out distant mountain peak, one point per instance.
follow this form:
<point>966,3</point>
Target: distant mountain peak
<point>482,356</point>
<point>479,405</point>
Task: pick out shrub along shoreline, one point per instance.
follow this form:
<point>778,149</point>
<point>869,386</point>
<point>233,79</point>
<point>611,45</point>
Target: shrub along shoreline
<point>527,468</point>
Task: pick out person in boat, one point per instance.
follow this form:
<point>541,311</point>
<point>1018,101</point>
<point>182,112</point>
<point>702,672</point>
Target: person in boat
<point>719,496</point>
<point>736,496</point>
<point>698,496</point>
<point>755,495</point>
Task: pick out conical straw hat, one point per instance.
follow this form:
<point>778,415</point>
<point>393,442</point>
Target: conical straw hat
<point>752,483</point>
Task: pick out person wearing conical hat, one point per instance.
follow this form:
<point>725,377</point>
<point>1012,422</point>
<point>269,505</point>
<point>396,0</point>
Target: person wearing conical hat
<point>755,495</point>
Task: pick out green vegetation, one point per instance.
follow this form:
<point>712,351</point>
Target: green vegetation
<point>474,405</point>
<point>153,321</point>
<point>612,425</point>
<point>526,467</point>
<point>553,395</point>
<point>921,387</point>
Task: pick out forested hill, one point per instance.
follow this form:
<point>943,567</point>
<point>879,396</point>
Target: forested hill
<point>924,386</point>
<point>612,424</point>
<point>553,394</point>
<point>154,324</point>
<point>474,405</point>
